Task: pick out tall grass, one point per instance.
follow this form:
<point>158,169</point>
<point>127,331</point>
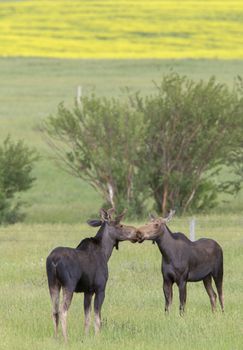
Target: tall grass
<point>122,29</point>
<point>133,311</point>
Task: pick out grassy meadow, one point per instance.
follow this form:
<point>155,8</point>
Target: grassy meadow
<point>47,49</point>
<point>133,311</point>
<point>104,46</point>
<point>122,29</point>
<point>31,89</point>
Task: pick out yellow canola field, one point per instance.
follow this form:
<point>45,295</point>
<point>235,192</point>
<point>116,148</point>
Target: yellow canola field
<point>122,29</point>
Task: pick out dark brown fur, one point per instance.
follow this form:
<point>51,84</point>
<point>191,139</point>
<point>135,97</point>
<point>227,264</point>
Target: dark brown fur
<point>185,261</point>
<point>84,270</point>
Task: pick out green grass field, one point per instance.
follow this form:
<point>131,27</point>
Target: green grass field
<point>133,316</point>
<point>70,33</point>
<point>31,89</point>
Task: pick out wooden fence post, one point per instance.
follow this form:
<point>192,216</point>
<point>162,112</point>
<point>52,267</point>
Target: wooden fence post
<point>193,229</point>
<point>79,94</point>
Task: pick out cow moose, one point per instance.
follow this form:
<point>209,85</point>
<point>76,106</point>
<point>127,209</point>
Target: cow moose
<point>185,261</point>
<point>84,269</point>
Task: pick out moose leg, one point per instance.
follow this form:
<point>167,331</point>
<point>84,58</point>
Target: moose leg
<point>168,293</point>
<point>182,296</point>
<point>99,298</point>
<point>66,302</point>
<point>211,293</point>
<point>55,293</point>
<point>87,311</point>
<point>219,285</point>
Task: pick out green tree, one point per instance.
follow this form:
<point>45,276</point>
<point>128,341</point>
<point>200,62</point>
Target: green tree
<point>193,128</point>
<point>99,141</point>
<point>168,146</point>
<point>16,164</point>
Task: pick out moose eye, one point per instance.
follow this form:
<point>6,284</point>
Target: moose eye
<point>156,225</point>
<point>121,226</point>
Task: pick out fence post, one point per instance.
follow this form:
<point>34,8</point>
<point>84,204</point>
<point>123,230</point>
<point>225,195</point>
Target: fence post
<point>193,229</point>
<point>79,94</point>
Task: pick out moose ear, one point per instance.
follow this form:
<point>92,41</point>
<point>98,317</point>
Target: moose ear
<point>94,223</point>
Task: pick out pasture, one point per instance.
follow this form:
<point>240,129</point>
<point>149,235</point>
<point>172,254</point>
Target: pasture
<point>103,33</point>
<point>133,311</point>
<point>31,89</point>
<point>122,29</point>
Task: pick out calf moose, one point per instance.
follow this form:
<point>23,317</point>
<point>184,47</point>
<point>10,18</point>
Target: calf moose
<point>84,269</point>
<point>185,261</point>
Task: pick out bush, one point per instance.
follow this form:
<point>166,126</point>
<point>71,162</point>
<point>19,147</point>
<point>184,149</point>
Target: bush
<point>193,128</point>
<point>100,142</point>
<point>16,163</point>
<point>169,145</point>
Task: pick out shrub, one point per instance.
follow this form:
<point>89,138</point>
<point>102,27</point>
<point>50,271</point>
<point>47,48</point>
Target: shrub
<point>100,142</point>
<point>193,128</point>
<point>16,164</point>
<point>169,145</point>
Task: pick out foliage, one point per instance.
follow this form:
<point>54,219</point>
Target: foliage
<point>169,145</point>
<point>16,164</point>
<point>237,160</point>
<point>76,200</point>
<point>193,128</point>
<point>121,29</point>
<point>102,138</point>
<point>236,155</point>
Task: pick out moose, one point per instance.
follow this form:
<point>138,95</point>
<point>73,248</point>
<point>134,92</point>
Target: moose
<point>185,261</point>
<point>84,269</point>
